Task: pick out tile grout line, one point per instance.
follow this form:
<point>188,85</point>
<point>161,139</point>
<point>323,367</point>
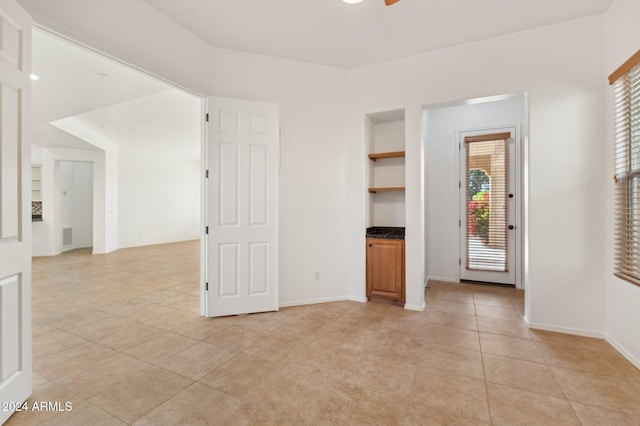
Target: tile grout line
<point>484,373</point>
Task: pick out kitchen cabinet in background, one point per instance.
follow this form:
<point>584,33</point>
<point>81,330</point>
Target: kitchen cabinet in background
<point>385,269</point>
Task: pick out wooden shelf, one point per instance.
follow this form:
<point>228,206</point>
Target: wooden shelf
<point>374,157</point>
<point>392,188</point>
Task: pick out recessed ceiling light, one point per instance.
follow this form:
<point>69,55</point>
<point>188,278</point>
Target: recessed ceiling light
<point>103,76</point>
<point>34,77</point>
<point>352,1</point>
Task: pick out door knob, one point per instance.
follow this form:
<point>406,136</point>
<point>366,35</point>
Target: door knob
<point>511,226</point>
<point>510,195</point>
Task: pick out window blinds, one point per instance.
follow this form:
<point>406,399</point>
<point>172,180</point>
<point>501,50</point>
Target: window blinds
<point>487,183</point>
<point>627,171</point>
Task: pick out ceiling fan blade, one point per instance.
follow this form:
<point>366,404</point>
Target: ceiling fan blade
<point>390,2</point>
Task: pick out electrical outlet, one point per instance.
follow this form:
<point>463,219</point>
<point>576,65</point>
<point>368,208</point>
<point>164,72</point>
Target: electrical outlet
<point>316,276</point>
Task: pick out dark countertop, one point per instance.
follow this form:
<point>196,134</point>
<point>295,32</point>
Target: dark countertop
<point>386,232</point>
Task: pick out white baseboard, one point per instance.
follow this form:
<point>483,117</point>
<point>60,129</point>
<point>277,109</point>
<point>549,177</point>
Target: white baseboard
<point>357,299</point>
<point>445,279</point>
<point>322,300</point>
<point>75,247</point>
<point>419,308</point>
<point>565,330</point>
<point>623,351</point>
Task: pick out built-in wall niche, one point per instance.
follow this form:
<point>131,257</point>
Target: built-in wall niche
<point>385,147</point>
<point>36,192</point>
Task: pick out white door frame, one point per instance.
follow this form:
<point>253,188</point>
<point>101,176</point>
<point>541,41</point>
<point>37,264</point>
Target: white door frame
<point>518,185</point>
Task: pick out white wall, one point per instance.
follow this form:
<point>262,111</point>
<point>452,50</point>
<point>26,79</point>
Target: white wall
<point>442,174</point>
<point>106,173</point>
<point>140,198</point>
<point>153,185</point>
<point>313,200</point>
<point>622,33</point>
<point>158,198</point>
<point>561,68</point>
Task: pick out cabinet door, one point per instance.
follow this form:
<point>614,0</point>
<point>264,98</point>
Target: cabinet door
<point>385,269</point>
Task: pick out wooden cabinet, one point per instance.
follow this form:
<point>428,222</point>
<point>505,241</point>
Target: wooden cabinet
<point>385,269</point>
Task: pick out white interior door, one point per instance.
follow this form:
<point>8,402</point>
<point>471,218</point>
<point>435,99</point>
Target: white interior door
<point>76,202</point>
<point>242,200</point>
<point>488,206</point>
<point>15,208</point>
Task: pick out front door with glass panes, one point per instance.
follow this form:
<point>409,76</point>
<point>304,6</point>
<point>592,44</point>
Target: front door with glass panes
<point>488,202</point>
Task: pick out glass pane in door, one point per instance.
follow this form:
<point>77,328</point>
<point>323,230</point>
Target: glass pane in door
<point>487,183</point>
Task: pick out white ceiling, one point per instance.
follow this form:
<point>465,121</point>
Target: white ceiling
<point>330,32</point>
<point>131,108</point>
<point>166,123</point>
<point>128,107</point>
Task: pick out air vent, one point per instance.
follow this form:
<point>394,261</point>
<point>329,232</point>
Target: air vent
<point>67,237</point>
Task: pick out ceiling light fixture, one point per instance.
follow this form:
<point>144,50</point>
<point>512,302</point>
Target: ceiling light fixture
<point>352,1</point>
<point>34,77</point>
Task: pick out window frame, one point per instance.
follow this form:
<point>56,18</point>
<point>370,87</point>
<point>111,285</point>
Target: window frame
<point>626,82</point>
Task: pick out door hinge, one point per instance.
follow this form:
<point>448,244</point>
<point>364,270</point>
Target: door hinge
<point>459,261</point>
<point>206,230</point>
<point>206,117</point>
<point>206,174</point>
<point>459,185</point>
<point>206,286</point>
<point>459,147</point>
<point>459,223</point>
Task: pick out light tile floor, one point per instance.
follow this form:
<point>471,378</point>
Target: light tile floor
<point>119,336</point>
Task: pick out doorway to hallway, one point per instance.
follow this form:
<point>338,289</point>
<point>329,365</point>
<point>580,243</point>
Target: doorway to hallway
<point>142,136</point>
<point>76,204</point>
<point>488,205</point>
<point>451,186</point>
